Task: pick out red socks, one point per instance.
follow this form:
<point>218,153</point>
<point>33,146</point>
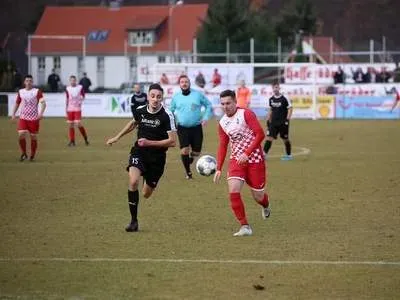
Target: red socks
<point>83,132</point>
<point>238,208</point>
<point>22,144</point>
<point>33,147</point>
<point>265,201</point>
<point>71,134</point>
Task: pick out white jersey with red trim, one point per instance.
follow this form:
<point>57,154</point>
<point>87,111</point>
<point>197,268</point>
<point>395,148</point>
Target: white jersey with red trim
<point>29,100</point>
<point>75,96</point>
<point>241,135</point>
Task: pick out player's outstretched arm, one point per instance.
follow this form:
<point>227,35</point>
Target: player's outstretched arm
<point>42,107</point>
<point>16,106</point>
<point>66,101</point>
<point>290,109</point>
<point>14,111</point>
<point>128,128</point>
<point>289,113</point>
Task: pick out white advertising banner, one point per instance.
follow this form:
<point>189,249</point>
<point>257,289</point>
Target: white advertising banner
<point>95,105</point>
<point>118,105</point>
<point>296,74</point>
<point>301,100</point>
<point>203,75</point>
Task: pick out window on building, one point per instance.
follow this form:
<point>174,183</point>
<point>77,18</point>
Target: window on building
<point>81,65</point>
<point>132,62</point>
<point>98,35</point>
<point>57,62</point>
<point>141,38</point>
<point>100,64</point>
<point>161,59</point>
<point>41,63</point>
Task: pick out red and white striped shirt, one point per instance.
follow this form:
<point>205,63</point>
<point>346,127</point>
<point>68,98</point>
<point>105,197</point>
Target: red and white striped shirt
<point>245,135</point>
<point>75,96</point>
<point>29,100</point>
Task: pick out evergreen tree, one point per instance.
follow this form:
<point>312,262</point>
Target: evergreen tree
<point>226,19</point>
<point>298,15</point>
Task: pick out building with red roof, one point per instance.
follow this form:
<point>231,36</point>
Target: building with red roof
<point>118,40</point>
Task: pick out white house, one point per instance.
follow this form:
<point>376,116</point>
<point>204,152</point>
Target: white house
<point>112,45</point>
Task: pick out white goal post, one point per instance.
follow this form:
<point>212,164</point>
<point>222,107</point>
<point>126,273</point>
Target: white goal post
<point>55,37</point>
<point>232,73</point>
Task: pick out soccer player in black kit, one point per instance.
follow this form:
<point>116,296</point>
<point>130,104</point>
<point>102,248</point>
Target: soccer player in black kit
<point>156,133</point>
<point>278,119</point>
<point>138,98</point>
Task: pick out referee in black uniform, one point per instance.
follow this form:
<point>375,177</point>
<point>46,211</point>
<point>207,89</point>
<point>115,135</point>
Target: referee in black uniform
<point>138,98</point>
<point>156,133</point>
<point>278,119</point>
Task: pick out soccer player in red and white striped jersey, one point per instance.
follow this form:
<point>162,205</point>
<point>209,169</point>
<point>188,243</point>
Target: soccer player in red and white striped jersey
<point>74,99</point>
<point>241,128</point>
<point>28,99</point>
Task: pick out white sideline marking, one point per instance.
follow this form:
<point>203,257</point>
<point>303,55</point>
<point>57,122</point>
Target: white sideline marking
<point>206,261</point>
<point>302,151</point>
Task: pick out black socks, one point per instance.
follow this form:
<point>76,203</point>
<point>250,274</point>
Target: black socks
<point>133,201</point>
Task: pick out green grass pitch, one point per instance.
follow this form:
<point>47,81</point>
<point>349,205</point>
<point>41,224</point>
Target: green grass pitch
<point>340,202</point>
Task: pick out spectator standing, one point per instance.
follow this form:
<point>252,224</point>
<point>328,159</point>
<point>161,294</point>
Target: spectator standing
<point>53,80</point>
<point>200,80</point>
<point>358,75</point>
<point>339,76</point>
<point>216,78</point>
<point>85,83</point>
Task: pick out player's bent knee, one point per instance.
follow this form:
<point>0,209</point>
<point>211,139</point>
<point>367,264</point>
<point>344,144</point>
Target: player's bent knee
<point>147,191</point>
<point>147,194</point>
<point>258,195</point>
<point>133,184</point>
<point>235,185</point>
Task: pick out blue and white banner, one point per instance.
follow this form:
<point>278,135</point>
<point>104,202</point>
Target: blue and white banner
<point>366,107</point>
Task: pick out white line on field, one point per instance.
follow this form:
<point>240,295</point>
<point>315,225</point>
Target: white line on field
<point>206,261</point>
<point>301,151</point>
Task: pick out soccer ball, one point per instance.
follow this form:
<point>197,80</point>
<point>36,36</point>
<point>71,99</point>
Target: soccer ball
<point>206,165</point>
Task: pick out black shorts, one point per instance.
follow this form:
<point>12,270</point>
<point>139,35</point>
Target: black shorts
<point>191,136</point>
<point>150,164</point>
<point>281,129</point>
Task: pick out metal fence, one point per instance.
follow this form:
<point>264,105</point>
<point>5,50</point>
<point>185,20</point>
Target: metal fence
<point>255,51</point>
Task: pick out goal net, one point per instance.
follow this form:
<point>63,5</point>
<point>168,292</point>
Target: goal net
<point>56,46</point>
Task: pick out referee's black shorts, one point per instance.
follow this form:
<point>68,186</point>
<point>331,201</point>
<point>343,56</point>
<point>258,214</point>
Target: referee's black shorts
<point>282,129</point>
<point>191,136</point>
